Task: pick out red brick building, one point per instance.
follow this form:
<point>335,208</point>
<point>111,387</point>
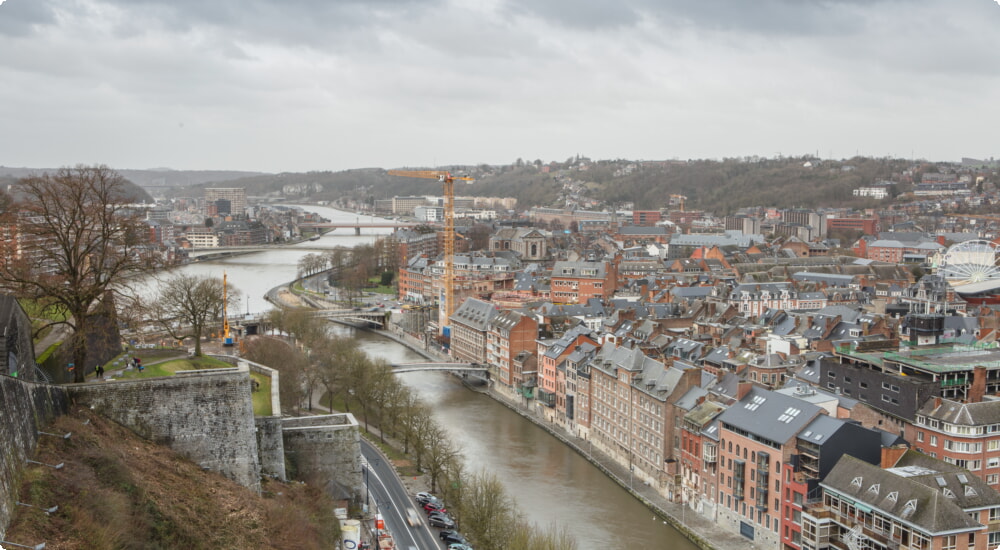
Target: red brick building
<point>577,282</point>
<point>510,333</point>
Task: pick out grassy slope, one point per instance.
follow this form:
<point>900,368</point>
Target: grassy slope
<point>119,491</point>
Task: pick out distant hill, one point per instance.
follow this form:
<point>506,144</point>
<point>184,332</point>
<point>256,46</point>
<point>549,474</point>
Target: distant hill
<point>157,177</point>
<point>133,191</point>
<point>719,186</point>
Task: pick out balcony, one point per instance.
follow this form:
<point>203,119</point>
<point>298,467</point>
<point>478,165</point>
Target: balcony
<point>710,454</point>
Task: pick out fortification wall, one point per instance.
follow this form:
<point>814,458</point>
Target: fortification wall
<point>271,447</point>
<point>25,408</point>
<point>326,451</point>
<point>205,415</point>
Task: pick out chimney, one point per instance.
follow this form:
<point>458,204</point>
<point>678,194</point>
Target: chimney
<point>891,455</point>
<point>978,389</point>
<point>742,389</point>
<point>937,402</point>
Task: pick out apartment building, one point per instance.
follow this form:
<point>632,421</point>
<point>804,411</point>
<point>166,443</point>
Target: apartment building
<point>577,282</point>
<point>236,197</point>
<point>469,325</point>
<point>510,333</point>
<point>917,503</point>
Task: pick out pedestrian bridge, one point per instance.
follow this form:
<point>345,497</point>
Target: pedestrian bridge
<point>454,367</point>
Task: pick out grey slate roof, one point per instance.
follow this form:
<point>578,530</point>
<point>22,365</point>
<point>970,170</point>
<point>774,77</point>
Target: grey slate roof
<point>770,415</point>
<point>924,492</point>
<point>983,413</point>
<point>475,314</point>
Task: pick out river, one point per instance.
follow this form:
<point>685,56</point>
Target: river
<point>551,483</point>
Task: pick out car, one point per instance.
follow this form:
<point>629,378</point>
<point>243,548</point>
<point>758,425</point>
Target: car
<point>434,505</point>
<point>439,515</point>
<point>459,546</point>
<point>423,497</point>
<point>451,536</point>
<point>412,517</point>
<point>441,521</point>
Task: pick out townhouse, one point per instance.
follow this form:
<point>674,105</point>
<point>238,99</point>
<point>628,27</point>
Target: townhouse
<point>510,333</point>
<point>469,326</point>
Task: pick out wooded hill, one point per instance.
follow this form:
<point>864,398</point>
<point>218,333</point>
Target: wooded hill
<point>713,185</point>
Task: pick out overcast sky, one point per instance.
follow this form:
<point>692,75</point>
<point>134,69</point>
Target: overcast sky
<point>296,85</point>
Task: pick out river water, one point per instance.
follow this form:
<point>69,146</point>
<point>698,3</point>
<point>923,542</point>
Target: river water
<point>552,484</point>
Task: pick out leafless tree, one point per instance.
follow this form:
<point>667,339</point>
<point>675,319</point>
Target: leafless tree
<point>188,304</point>
<point>291,363</point>
<point>78,239</point>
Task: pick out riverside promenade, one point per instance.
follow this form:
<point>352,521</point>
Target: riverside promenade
<point>701,530</point>
<point>696,527</point>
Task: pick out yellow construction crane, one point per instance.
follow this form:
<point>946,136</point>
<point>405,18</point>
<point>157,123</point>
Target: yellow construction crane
<point>680,200</point>
<point>448,180</point>
<point>227,338</point>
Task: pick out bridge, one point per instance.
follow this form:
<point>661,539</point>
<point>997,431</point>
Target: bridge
<point>358,226</point>
<point>400,368</point>
<point>359,316</point>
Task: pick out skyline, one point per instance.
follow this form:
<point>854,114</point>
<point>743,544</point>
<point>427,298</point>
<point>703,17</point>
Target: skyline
<point>316,85</point>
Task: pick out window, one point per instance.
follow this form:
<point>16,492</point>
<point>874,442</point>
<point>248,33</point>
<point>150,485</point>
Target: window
<point>992,479</point>
<point>933,441</point>
<point>949,542</point>
<point>920,436</point>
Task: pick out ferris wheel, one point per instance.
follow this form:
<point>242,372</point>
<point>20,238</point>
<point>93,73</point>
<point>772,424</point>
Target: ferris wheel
<point>970,262</point>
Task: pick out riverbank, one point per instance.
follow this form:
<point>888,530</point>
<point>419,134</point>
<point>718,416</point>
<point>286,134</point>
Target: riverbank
<point>695,527</point>
<point>701,530</point>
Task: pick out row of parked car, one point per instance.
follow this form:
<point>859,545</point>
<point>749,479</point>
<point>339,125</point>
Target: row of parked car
<point>437,516</point>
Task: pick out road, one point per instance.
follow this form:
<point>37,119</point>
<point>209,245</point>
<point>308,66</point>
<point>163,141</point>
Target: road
<point>387,492</point>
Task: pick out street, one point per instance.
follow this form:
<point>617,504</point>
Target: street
<point>387,493</point>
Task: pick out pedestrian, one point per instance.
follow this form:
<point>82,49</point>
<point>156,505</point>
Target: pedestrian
<point>99,370</point>
<point>138,363</point>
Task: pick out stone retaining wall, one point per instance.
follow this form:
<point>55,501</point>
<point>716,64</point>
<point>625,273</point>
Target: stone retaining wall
<point>205,415</point>
<point>25,408</point>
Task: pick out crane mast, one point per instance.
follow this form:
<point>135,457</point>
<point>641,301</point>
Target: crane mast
<point>448,180</point>
<point>227,339</point>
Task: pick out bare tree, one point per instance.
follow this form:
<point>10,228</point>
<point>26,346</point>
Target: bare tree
<point>312,263</point>
<point>486,510</point>
<point>187,304</point>
<point>440,453</point>
<point>78,239</point>
<point>291,363</point>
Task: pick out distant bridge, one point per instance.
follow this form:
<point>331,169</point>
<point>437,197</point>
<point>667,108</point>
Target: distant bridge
<point>360,316</point>
<point>400,368</point>
<point>358,226</point>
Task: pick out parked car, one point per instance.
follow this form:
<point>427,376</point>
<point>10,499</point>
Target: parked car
<point>439,515</point>
<point>451,536</point>
<point>459,546</point>
<point>441,521</point>
<point>424,498</point>
<point>434,505</point>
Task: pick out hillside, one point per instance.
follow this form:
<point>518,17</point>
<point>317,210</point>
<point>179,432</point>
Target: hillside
<point>720,186</point>
<point>120,491</point>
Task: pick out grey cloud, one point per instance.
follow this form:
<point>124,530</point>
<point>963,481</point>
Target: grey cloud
<point>21,17</point>
<point>772,17</point>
